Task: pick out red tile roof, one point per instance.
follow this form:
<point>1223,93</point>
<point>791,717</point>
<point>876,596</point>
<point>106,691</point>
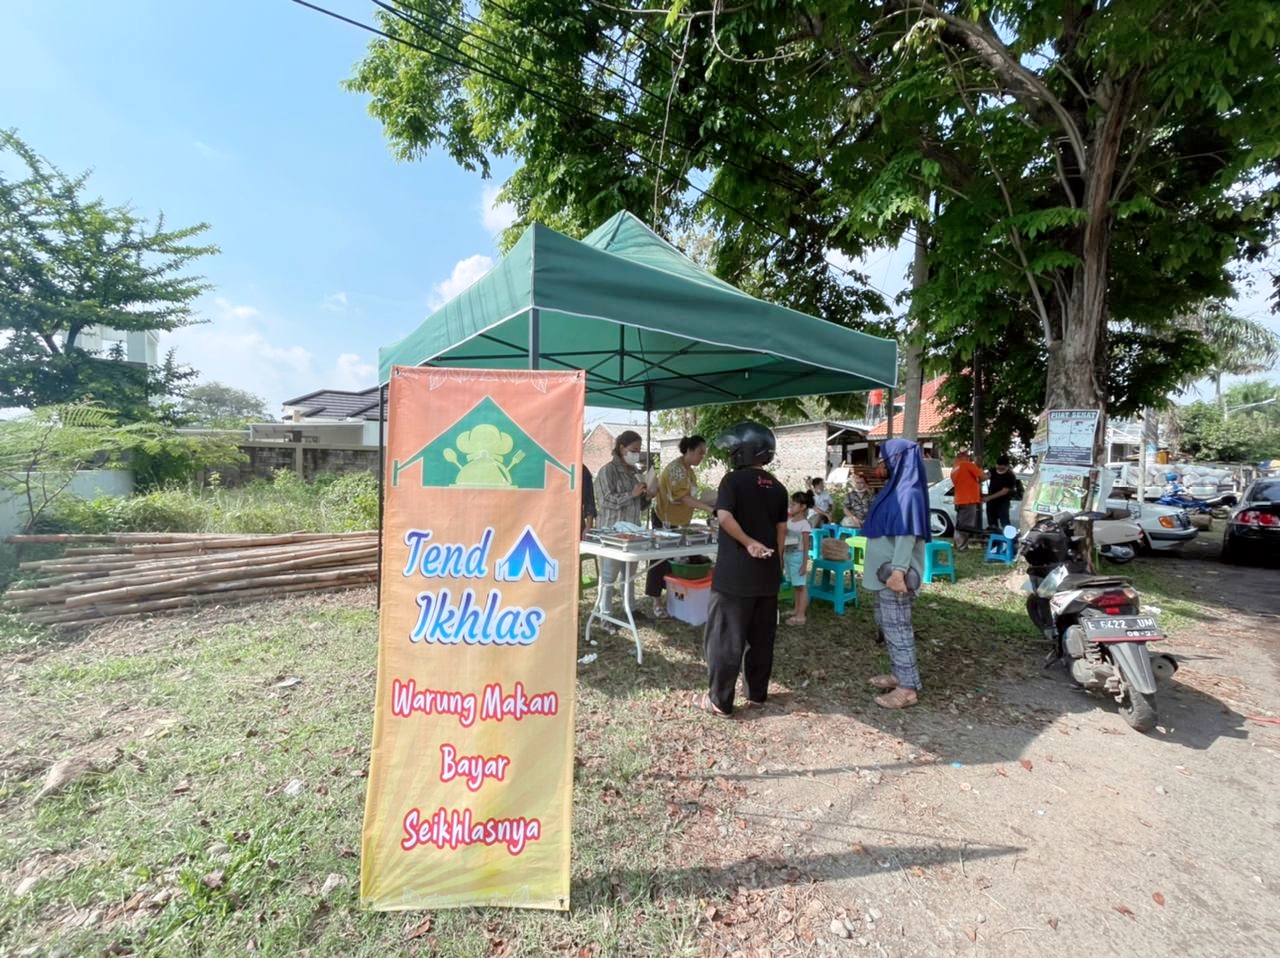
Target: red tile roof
<point>932,412</point>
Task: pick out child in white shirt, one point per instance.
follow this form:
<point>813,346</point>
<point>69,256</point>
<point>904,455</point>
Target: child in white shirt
<point>796,557</point>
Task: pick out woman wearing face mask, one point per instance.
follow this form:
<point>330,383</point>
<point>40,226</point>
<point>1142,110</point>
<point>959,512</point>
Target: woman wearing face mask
<point>623,494</point>
<point>897,527</point>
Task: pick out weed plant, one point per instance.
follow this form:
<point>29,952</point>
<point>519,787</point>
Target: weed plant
<point>285,503</point>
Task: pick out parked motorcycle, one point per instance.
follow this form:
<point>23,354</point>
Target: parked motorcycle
<point>1176,495</point>
<point>1094,623</point>
<point>1217,506</point>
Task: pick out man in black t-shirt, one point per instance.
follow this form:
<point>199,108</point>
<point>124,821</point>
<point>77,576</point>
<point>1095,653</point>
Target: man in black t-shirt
<point>1002,489</point>
<point>742,618</point>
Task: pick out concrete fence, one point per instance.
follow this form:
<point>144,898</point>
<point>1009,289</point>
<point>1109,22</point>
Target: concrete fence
<point>85,484</point>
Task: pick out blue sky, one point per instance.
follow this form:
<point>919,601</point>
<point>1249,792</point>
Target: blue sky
<point>230,112</point>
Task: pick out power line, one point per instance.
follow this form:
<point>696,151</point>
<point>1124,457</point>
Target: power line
<point>470,63</point>
<point>461,32</point>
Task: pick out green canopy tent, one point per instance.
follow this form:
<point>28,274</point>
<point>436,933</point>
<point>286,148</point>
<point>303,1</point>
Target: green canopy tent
<point>651,328</point>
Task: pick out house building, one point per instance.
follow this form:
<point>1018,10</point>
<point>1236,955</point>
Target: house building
<point>933,410</point>
<point>330,430</point>
<point>804,450</point>
<point>133,345</point>
<point>597,446</point>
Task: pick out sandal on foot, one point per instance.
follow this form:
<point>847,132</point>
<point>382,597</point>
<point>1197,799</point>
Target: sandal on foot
<point>899,698</point>
<point>886,683</point>
<point>702,702</point>
<point>752,704</point>
<point>795,620</point>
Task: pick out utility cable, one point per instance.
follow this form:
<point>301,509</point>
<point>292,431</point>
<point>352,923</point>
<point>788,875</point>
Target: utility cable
<point>468,63</point>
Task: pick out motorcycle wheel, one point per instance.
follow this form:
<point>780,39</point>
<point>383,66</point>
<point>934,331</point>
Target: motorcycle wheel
<point>1220,512</point>
<point>1139,710</point>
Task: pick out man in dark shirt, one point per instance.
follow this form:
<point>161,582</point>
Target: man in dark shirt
<point>1002,489</point>
<point>742,618</point>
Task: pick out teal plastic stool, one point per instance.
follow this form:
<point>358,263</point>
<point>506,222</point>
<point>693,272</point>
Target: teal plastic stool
<point>939,561</point>
<point>827,577</point>
<point>999,549</point>
<point>827,581</point>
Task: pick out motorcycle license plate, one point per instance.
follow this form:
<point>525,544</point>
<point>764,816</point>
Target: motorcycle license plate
<point>1102,628</point>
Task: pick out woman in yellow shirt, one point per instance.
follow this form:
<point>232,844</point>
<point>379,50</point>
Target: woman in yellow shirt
<point>673,507</point>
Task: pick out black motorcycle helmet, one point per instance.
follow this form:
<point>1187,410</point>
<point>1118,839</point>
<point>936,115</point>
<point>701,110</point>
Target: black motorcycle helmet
<point>748,444</point>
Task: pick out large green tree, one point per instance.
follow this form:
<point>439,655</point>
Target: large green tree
<point>1238,346</point>
<point>70,262</point>
<point>219,406</point>
<point>1091,165</point>
<point>1245,427</point>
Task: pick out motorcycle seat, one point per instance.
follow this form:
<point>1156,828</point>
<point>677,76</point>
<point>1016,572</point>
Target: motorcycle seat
<point>1083,580</point>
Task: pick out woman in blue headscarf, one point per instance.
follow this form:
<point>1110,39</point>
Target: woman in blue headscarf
<point>897,527</point>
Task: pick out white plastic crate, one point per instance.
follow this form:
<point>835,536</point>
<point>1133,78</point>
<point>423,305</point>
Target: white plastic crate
<point>688,601</point>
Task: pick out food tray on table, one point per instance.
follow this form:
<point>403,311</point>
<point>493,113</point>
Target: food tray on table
<point>694,535</point>
<point>627,541</point>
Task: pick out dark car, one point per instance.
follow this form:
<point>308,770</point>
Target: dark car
<point>1253,531</point>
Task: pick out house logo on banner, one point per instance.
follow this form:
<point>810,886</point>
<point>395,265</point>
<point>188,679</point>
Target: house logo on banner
<point>485,449</point>
<point>470,783</point>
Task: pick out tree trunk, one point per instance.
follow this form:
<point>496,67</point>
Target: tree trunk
<point>1077,375</point>
<point>977,417</point>
<point>914,353</point>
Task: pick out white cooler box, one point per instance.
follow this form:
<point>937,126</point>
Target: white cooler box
<point>687,600</point>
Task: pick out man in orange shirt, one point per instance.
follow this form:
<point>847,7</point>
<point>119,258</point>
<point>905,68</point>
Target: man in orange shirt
<point>967,479</point>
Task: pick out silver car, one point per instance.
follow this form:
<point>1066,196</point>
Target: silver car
<point>1165,528</point>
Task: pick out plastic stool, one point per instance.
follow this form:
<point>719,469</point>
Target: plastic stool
<point>939,561</point>
<point>858,551</point>
<point>827,581</point>
<point>999,549</point>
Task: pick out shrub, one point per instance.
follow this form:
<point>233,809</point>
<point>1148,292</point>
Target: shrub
<point>350,502</point>
<point>168,510</point>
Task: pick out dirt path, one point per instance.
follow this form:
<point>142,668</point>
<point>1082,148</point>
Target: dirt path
<point>1026,819</point>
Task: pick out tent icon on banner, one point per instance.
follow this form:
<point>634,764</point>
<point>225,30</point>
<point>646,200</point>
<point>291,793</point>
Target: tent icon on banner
<point>485,449</point>
<point>527,557</point>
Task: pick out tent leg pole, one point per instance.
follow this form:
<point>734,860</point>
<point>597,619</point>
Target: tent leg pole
<point>534,346</point>
<point>382,458</point>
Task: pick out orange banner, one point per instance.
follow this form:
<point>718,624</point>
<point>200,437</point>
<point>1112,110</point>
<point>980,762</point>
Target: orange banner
<point>470,785</point>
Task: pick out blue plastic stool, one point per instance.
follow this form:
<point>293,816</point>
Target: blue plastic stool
<point>827,576</point>
<point>999,549</point>
<point>939,561</point>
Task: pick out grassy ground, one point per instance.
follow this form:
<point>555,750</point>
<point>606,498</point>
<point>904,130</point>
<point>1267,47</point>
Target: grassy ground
<point>218,810</point>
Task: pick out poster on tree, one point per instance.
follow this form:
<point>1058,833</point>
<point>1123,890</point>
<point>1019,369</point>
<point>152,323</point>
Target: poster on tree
<point>470,781</point>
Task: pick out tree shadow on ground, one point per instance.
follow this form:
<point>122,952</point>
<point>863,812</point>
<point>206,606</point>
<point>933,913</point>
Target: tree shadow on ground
<point>980,658</point>
<point>766,872</point>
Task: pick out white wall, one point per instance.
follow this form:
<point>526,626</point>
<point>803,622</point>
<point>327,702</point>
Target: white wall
<point>85,485</point>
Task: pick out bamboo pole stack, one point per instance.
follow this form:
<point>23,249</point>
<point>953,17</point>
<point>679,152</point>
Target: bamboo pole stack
<point>100,577</point>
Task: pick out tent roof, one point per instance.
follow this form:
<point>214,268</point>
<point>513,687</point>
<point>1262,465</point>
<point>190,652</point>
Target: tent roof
<point>651,328</point>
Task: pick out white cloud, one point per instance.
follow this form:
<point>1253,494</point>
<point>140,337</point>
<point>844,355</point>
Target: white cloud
<point>230,311</point>
<point>239,348</point>
<point>495,215</point>
<point>465,272</point>
<point>335,302</point>
<point>351,372</point>
<point>839,260</point>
